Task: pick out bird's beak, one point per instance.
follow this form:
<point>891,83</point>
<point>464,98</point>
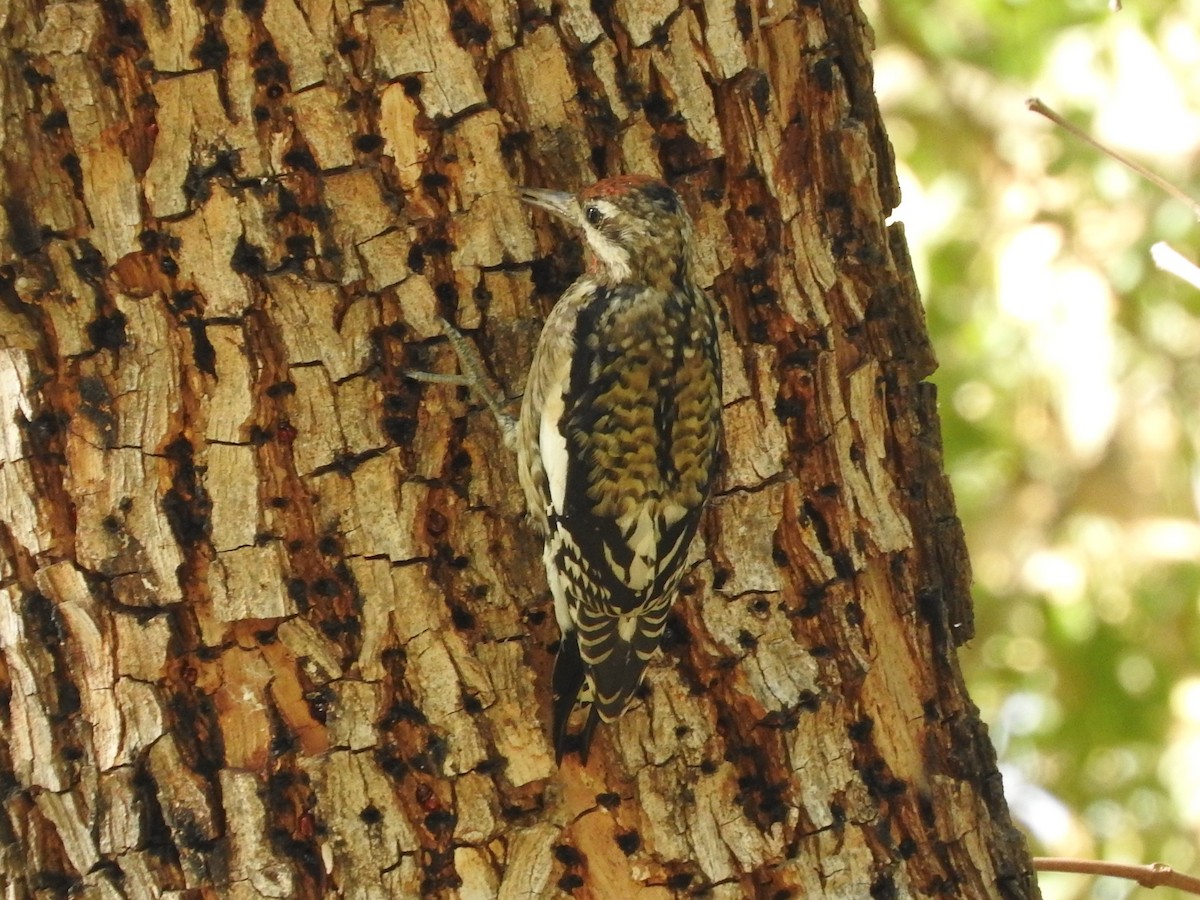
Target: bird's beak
<point>560,203</point>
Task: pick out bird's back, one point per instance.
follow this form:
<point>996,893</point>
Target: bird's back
<point>620,428</point>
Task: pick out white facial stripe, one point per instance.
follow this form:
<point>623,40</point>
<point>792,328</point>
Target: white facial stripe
<point>614,257</point>
<point>611,255</point>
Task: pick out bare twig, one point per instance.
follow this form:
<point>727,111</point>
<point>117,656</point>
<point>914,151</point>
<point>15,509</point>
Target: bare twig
<point>1037,106</point>
<point>1151,876</point>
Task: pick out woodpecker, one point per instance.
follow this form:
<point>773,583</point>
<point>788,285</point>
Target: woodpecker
<point>617,441</point>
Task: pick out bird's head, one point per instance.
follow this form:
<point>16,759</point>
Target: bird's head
<point>636,227</point>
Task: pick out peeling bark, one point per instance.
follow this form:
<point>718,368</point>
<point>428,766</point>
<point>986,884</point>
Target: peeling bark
<point>271,624</point>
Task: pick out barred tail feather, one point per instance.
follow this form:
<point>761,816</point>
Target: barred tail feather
<point>616,679</point>
<point>608,690</point>
<point>607,686</point>
<point>585,736</point>
<point>605,658</point>
<point>566,683</point>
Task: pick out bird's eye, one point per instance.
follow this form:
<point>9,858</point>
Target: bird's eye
<point>593,215</point>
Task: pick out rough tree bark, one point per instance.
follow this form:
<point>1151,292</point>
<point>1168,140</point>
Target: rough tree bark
<point>272,624</point>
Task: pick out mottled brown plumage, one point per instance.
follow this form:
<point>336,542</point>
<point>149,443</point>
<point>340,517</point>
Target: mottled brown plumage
<point>618,436</point>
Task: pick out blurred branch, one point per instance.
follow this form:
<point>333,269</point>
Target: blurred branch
<point>1037,106</point>
<point>1151,876</point>
<point>1175,263</point>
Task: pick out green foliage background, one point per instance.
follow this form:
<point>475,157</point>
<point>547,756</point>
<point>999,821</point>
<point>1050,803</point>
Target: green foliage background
<point>1069,380</point>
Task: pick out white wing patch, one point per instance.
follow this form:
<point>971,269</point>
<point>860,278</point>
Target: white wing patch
<point>553,445</point>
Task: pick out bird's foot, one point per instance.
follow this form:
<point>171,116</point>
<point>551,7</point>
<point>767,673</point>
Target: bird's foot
<point>472,375</point>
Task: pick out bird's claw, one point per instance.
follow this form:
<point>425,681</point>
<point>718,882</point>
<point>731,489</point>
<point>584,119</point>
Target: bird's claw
<point>472,375</point>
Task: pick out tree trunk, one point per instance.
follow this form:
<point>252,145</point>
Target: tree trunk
<point>272,622</point>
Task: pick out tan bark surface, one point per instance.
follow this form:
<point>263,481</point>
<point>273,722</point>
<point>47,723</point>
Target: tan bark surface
<point>271,624</point>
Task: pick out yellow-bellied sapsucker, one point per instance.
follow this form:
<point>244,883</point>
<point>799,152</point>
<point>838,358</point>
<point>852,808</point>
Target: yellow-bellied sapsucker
<point>618,438</point>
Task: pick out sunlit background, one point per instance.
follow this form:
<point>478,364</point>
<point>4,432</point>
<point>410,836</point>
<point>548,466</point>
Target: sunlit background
<point>1070,397</point>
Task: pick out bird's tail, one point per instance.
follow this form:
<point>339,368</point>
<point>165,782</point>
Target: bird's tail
<point>607,681</point>
<point>566,683</point>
